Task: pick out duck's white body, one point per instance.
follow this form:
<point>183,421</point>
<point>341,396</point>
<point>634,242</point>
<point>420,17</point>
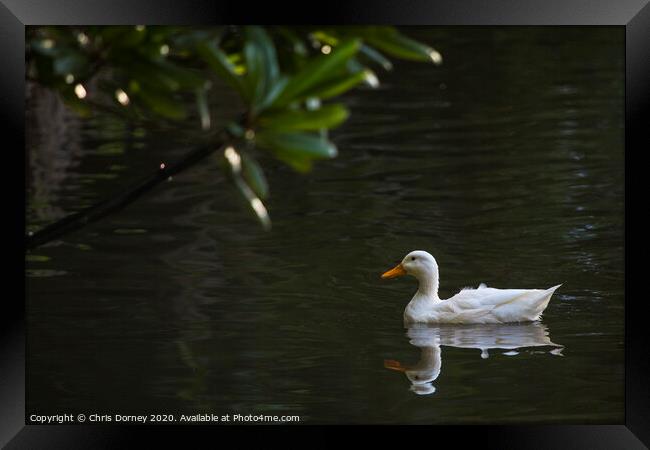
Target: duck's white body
<point>481,305</point>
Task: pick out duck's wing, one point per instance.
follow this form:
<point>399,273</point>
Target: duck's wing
<point>484,297</point>
<point>453,313</point>
<point>504,304</point>
<point>468,306</point>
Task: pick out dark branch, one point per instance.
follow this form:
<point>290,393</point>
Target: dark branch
<point>93,213</point>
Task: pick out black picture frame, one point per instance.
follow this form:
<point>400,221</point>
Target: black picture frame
<point>634,15</point>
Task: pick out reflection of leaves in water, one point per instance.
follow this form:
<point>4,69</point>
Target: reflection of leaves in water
<point>196,381</point>
<point>100,176</point>
<point>129,231</point>
<point>41,273</point>
<point>110,148</point>
<point>37,258</point>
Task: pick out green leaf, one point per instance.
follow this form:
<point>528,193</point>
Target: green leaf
<point>328,116</point>
<point>255,78</point>
<point>185,78</point>
<point>48,47</point>
<point>253,201</point>
<point>69,62</point>
<point>37,258</point>
<point>123,36</point>
<point>297,45</point>
<point>392,42</point>
<point>162,103</point>
<point>296,149</point>
<point>375,56</point>
<point>152,76</point>
<point>79,106</point>
<point>263,72</point>
<point>274,91</point>
<point>235,160</point>
<point>336,86</point>
<point>235,129</point>
<point>300,164</point>
<point>318,70</point>
<point>43,71</point>
<point>202,106</point>
<point>269,55</point>
<point>113,33</point>
<point>254,176</point>
<point>219,62</point>
<point>186,40</point>
<point>304,144</point>
<point>324,37</point>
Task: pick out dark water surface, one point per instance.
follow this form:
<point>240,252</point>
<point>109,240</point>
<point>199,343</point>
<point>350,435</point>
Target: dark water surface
<point>506,163</point>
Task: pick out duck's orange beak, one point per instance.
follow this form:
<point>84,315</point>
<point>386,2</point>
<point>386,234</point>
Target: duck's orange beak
<point>394,365</point>
<point>396,271</point>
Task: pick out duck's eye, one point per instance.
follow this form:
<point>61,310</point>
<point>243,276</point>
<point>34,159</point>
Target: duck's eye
<point>412,258</point>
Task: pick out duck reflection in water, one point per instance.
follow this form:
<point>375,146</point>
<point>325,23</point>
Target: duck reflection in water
<point>429,339</point>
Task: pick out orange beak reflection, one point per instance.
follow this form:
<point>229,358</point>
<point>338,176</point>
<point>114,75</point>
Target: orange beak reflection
<point>394,365</point>
<point>396,271</point>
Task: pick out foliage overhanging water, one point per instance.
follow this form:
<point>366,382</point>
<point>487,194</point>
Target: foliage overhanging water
<point>506,163</point>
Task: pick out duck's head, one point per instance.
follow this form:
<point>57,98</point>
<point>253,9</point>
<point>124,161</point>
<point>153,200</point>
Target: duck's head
<point>418,263</point>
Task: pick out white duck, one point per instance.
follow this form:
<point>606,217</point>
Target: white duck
<point>481,305</point>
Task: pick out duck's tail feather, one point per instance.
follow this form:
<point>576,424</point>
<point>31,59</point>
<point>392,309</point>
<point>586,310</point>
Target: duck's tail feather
<point>545,299</point>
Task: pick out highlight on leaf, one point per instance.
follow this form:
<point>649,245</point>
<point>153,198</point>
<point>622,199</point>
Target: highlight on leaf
<point>234,160</point>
